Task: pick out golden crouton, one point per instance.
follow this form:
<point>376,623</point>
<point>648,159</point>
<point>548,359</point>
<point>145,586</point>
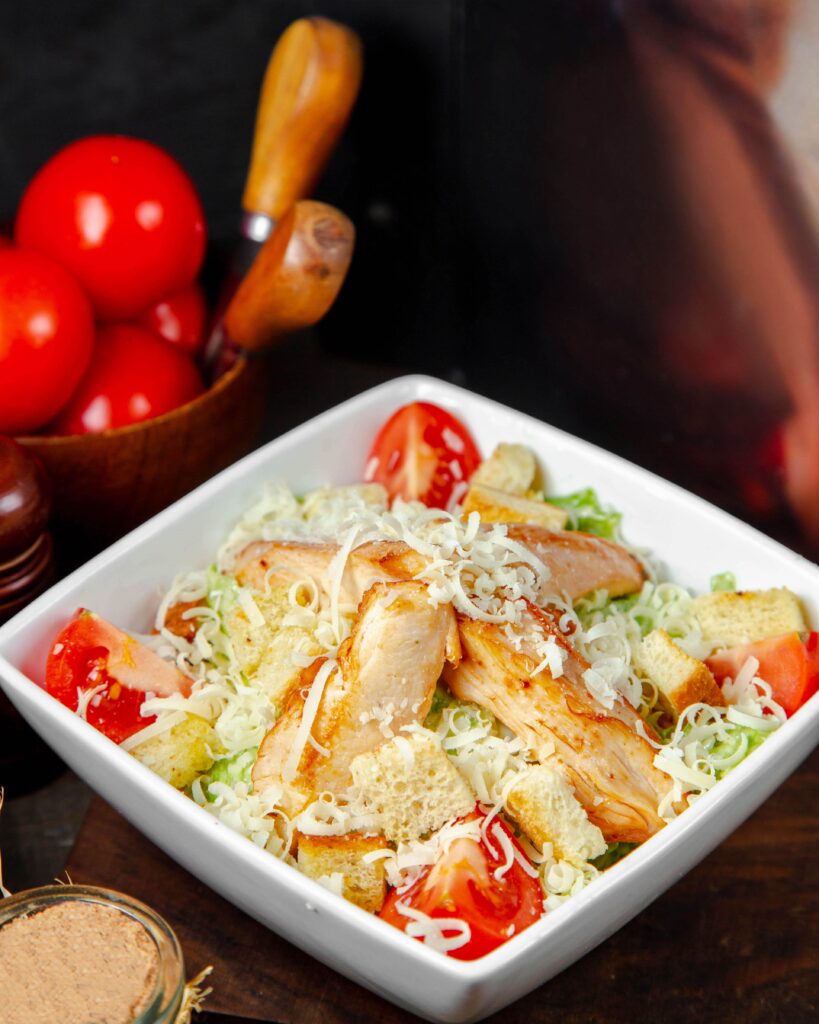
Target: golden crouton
<point>180,754</point>
<point>323,856</point>
<point>681,679</point>
<point>264,651</point>
<point>737,617</point>
<point>413,786</point>
<point>494,506</point>
<point>510,468</point>
<point>544,806</point>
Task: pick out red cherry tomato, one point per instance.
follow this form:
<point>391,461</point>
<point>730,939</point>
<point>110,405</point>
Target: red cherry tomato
<point>46,338</point>
<point>422,452</point>
<point>133,377</point>
<point>179,318</point>
<point>91,653</point>
<point>789,664</point>
<point>462,885</point>
<point>122,216</point>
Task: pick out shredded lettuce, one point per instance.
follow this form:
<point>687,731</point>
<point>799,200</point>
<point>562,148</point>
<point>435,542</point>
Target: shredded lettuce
<point>731,749</point>
<point>230,770</point>
<point>587,513</point>
<point>442,700</point>
<point>723,581</point>
<point>223,590</point>
<point>615,852</point>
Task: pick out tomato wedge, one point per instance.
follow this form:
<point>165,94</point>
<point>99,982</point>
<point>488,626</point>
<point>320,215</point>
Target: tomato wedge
<point>462,885</point>
<point>91,653</point>
<point>423,453</point>
<point>788,663</point>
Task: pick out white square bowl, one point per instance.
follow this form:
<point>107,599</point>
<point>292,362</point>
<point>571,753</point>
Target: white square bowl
<point>124,584</point>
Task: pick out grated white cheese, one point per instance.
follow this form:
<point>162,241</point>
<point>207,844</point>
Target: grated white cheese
<point>85,698</point>
<point>334,882</point>
<point>308,716</point>
<point>695,757</point>
<point>442,933</point>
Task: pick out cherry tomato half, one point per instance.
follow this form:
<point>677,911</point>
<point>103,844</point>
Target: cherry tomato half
<point>46,338</point>
<point>179,318</point>
<point>133,377</point>
<point>461,884</point>
<point>788,663</point>
<point>90,653</point>
<point>422,452</point>
<point>122,216</point>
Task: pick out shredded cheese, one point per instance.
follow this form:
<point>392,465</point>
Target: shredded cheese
<point>308,716</point>
<point>442,933</point>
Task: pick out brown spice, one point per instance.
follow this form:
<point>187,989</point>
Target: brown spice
<point>76,963</point>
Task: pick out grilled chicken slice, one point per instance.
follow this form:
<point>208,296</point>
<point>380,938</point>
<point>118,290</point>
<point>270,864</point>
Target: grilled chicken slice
<point>386,676</point>
<point>287,561</point>
<point>580,562</point>
<point>607,762</point>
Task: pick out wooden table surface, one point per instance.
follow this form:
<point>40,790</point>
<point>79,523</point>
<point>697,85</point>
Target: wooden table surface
<point>737,939</point>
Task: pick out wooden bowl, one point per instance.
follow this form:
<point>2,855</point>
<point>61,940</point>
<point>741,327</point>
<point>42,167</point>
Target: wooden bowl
<point>107,483</point>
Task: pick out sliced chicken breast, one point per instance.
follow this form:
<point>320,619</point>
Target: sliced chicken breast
<point>287,561</point>
<point>580,562</point>
<point>607,762</point>
<point>386,676</point>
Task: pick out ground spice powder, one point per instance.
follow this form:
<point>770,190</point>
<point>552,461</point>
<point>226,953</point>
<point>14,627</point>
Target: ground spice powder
<point>75,963</point>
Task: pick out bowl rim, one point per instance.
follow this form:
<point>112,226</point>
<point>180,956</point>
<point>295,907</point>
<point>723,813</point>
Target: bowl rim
<point>55,441</point>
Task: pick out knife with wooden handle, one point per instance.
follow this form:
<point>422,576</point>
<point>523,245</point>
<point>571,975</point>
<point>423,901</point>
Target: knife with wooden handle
<point>293,281</point>
<point>308,92</point>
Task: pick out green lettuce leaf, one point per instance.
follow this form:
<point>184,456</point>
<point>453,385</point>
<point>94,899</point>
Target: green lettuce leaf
<point>723,581</point>
<point>230,770</point>
<point>222,590</point>
<point>615,852</point>
<point>586,513</point>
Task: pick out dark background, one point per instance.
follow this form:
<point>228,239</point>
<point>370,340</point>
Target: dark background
<point>508,168</point>
<point>444,166</point>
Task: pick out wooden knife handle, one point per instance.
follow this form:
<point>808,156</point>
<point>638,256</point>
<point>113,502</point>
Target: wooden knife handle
<point>309,89</point>
<point>295,277</point>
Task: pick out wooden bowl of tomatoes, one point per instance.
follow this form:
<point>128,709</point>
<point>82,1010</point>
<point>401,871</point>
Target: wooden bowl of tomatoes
<point>102,322</point>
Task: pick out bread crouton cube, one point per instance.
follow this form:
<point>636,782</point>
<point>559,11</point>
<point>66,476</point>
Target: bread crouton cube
<point>546,809</point>
<point>414,787</point>
<point>182,753</point>
<point>738,617</point>
<point>494,506</point>
<point>680,679</point>
<point>264,651</point>
<point>510,468</point>
<point>324,856</point>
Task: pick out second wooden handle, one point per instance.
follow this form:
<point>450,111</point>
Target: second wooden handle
<point>295,277</point>
<point>309,89</point>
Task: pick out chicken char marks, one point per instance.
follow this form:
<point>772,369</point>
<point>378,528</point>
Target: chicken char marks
<point>387,671</point>
<point>599,750</point>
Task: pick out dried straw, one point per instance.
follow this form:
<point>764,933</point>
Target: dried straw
<point>194,997</point>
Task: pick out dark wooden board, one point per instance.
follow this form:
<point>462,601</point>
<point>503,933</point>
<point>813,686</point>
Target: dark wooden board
<point>737,939</point>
